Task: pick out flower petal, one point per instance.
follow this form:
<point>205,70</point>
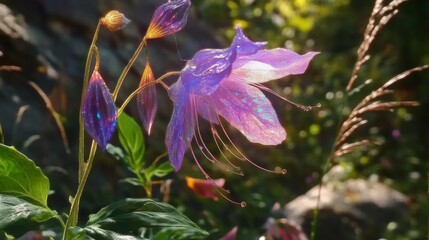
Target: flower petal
<point>180,129</point>
<point>147,103</point>
<point>266,65</point>
<point>168,18</point>
<point>203,73</point>
<point>247,109</point>
<point>99,111</point>
<point>209,67</point>
<point>206,110</point>
<point>204,187</point>
<point>244,45</point>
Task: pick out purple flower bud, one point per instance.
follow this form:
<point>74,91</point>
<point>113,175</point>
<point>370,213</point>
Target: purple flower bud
<point>147,99</point>
<point>99,110</point>
<point>168,18</point>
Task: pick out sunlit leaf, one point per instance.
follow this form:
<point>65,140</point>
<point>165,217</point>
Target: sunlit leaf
<point>20,177</point>
<point>14,209</point>
<point>131,138</point>
<point>133,217</point>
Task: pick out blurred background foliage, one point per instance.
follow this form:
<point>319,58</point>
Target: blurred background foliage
<point>333,27</point>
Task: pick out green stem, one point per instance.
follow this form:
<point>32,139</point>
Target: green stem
<point>74,210</point>
<point>84,168</point>
<point>130,97</point>
<point>84,87</point>
<point>127,68</point>
<point>60,220</point>
<point>144,182</point>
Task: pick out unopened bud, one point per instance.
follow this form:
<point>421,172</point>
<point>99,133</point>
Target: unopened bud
<point>168,18</point>
<point>114,21</point>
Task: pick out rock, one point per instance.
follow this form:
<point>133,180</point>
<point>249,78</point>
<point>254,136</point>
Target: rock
<point>354,206</point>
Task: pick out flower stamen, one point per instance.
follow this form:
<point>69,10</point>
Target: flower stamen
<point>215,137</point>
<point>215,185</point>
<point>303,107</point>
<point>282,171</point>
<point>201,144</point>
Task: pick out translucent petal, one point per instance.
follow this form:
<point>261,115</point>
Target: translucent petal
<point>147,102</point>
<point>209,67</point>
<point>266,65</point>
<point>180,129</point>
<point>247,109</point>
<point>99,111</point>
<point>168,18</point>
<point>203,73</point>
<point>244,45</point>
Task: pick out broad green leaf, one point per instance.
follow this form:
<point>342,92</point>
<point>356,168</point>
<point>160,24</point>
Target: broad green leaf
<point>20,177</point>
<point>131,216</point>
<point>131,138</point>
<point>99,233</point>
<point>14,209</point>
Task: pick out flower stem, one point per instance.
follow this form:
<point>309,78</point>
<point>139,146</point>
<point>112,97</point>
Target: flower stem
<point>74,210</point>
<point>84,168</point>
<point>130,97</point>
<point>84,87</point>
<point>124,73</point>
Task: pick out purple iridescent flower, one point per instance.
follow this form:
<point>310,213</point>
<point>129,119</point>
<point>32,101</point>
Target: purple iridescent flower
<point>226,82</point>
<point>99,110</point>
<point>147,99</point>
<point>168,18</point>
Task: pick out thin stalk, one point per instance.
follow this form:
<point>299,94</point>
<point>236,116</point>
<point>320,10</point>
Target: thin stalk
<point>133,94</point>
<point>61,221</point>
<point>84,168</point>
<point>124,73</point>
<point>84,87</point>
<point>74,210</point>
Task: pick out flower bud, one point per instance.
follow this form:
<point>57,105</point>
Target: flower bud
<point>147,103</point>
<point>114,21</point>
<point>168,18</point>
<point>99,110</point>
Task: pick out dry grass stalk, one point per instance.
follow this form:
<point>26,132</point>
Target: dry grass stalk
<point>54,114</point>
<point>380,16</point>
<point>372,103</point>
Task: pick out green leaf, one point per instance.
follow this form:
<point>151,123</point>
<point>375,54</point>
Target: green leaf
<point>14,209</point>
<point>131,138</point>
<point>132,181</point>
<point>116,152</point>
<point>161,170</point>
<point>135,216</point>
<point>20,177</point>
